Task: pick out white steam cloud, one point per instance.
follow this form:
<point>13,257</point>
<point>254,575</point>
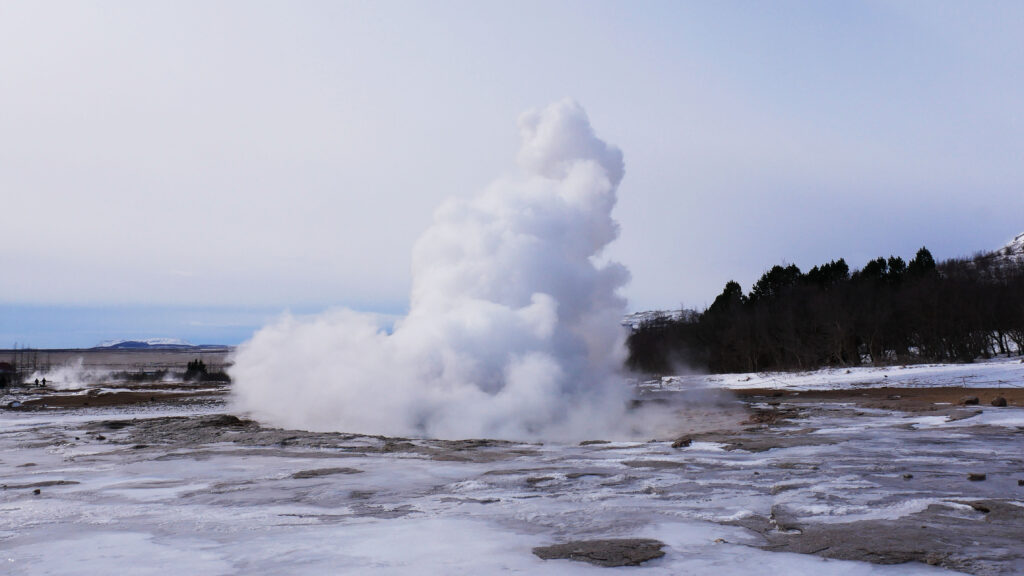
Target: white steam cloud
<point>513,329</point>
<point>70,376</point>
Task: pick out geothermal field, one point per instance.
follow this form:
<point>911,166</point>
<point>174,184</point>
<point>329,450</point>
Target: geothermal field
<point>880,471</point>
<point>494,429</point>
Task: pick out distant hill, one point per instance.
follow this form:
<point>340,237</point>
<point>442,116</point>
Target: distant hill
<point>155,344</point>
<point>634,320</point>
<point>1012,253</point>
<point>996,263</point>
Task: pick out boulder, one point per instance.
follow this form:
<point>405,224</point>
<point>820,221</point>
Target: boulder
<point>682,442</point>
<point>609,553</point>
<point>999,401</point>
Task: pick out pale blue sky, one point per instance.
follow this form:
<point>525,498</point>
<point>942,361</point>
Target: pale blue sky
<point>233,159</point>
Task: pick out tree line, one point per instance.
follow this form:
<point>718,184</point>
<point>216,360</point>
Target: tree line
<point>889,311</point>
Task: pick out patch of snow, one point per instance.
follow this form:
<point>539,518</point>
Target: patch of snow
<point>995,373</point>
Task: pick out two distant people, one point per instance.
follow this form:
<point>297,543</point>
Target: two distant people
<point>37,381</point>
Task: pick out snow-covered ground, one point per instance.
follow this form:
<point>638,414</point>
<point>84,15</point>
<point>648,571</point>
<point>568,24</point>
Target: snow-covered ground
<point>996,373</point>
<point>151,494</point>
<point>153,488</point>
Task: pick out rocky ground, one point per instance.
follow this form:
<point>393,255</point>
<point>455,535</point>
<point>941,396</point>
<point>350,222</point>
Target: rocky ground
<point>877,481</point>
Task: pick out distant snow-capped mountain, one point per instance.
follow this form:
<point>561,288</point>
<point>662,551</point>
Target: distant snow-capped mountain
<point>147,343</point>
<point>155,344</point>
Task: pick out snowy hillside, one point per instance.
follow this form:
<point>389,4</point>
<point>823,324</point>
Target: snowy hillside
<point>1013,251</point>
<point>634,320</point>
<point>1010,255</point>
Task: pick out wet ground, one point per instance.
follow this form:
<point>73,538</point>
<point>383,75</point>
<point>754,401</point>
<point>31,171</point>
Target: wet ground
<point>849,482</point>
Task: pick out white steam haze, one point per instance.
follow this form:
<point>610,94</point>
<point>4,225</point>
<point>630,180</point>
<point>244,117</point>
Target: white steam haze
<point>70,376</point>
<point>514,324</point>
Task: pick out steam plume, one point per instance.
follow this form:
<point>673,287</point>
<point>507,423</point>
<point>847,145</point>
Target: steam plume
<point>513,329</point>
<point>71,376</point>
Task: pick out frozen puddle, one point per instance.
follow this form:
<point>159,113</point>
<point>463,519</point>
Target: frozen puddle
<point>206,494</point>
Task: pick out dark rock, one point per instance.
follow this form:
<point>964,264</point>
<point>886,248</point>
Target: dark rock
<point>324,472</point>
<point>975,477</point>
<point>450,499</point>
<point>1020,482</point>
<point>908,476</point>
<point>222,420</point>
<point>999,401</point>
<point>472,444</point>
<point>38,485</point>
<point>609,553</point>
<point>575,475</point>
<point>969,400</point>
<point>979,507</point>
<point>655,464</point>
<point>771,416</point>
<point>682,442</point>
<point>933,536</point>
<point>37,491</point>
<point>101,437</point>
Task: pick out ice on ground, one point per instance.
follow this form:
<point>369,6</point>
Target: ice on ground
<point>221,506</point>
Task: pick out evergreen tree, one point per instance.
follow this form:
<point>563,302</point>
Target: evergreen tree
<point>775,282</point>
<point>922,265</point>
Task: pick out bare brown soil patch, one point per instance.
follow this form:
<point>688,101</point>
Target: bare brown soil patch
<point>119,398</point>
<point>902,399</point>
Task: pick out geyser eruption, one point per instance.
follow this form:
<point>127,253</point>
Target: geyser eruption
<point>513,329</point>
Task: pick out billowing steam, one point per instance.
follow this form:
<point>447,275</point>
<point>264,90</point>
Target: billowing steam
<point>70,376</point>
<point>513,329</point>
